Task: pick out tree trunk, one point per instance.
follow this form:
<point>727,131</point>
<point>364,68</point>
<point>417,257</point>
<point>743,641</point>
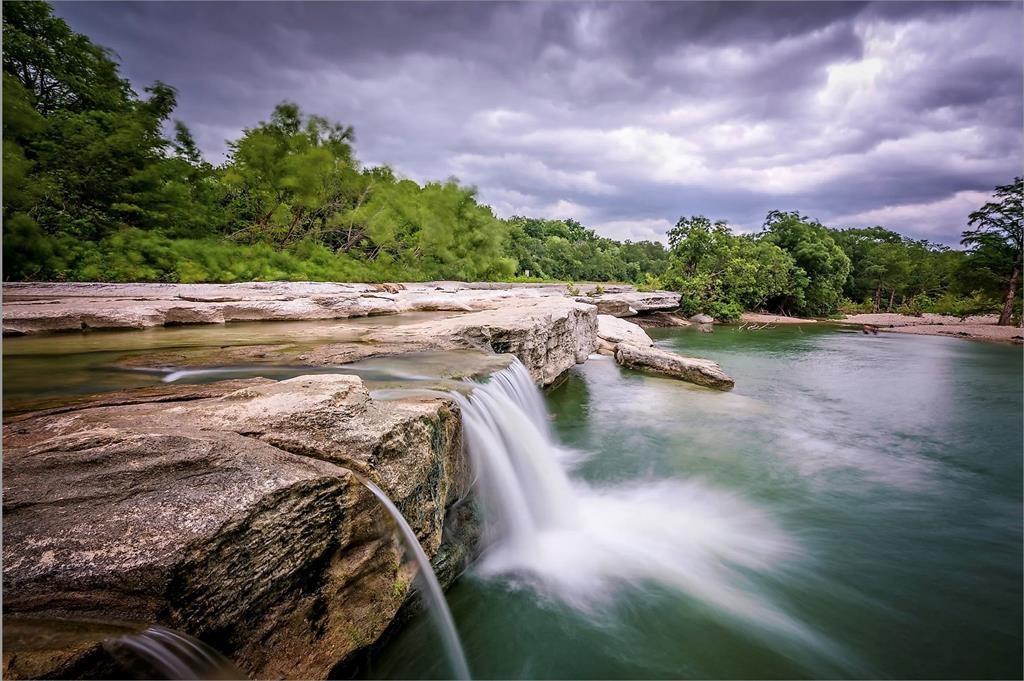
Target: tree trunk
<point>291,228</point>
<point>892,297</point>
<point>1006,317</point>
<point>878,298</point>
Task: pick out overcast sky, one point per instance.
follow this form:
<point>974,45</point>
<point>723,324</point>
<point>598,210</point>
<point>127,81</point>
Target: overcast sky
<point>623,116</point>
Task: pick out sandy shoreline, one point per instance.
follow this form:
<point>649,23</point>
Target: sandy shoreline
<point>761,318</point>
<point>974,328</point>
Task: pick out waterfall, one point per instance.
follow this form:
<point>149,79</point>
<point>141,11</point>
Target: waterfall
<point>170,654</point>
<point>581,543</point>
<point>518,475</point>
<point>436,603</point>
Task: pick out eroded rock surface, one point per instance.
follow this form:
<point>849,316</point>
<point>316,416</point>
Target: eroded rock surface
<point>233,517</point>
<point>549,335</point>
<point>613,330</point>
<point>629,302</point>
<point>42,307</point>
<point>699,371</point>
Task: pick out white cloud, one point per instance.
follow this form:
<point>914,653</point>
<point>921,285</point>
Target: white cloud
<point>653,229</point>
<point>625,119</point>
<point>932,219</point>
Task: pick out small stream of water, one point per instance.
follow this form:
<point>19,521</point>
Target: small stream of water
<point>437,607</point>
<point>171,655</point>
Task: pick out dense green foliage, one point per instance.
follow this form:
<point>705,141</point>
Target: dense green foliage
<point>565,250</point>
<point>721,274</point>
<point>996,239</point>
<point>797,266</point>
<point>95,187</point>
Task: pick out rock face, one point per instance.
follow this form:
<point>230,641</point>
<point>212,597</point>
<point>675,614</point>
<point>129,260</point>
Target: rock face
<point>233,516</point>
<point>629,302</point>
<point>34,308</point>
<point>609,306</point>
<point>657,320</point>
<point>42,307</point>
<point>549,335</point>
<point>702,319</point>
<point>700,371</point>
<point>613,330</point>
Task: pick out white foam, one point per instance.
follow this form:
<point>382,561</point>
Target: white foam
<point>580,544</point>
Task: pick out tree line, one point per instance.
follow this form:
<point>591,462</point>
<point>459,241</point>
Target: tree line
<point>795,265</point>
<point>101,184</point>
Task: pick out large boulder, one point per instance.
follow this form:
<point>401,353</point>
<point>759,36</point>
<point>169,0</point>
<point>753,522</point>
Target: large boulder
<point>231,514</point>
<point>629,302</point>
<point>609,306</point>
<point>699,371</point>
<point>615,330</point>
<point>549,335</point>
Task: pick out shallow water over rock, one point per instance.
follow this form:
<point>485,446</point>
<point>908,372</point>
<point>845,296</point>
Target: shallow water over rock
<point>47,370</point>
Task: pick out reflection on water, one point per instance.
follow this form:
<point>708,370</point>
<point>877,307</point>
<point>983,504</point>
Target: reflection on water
<point>212,335</point>
<point>40,370</point>
<point>887,469</point>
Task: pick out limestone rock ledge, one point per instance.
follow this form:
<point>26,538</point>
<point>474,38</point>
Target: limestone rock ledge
<point>47,306</point>
<point>549,335</point>
<point>231,515</point>
<point>612,331</point>
<point>699,371</point>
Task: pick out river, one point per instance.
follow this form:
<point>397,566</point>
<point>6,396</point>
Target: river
<point>852,509</point>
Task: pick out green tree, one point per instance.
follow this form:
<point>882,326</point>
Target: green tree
<point>721,274</point>
<point>996,238</point>
<point>821,267</point>
<point>290,176</point>
<point>60,69</point>
<point>84,156</point>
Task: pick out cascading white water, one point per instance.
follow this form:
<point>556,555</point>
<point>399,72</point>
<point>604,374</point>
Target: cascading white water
<point>577,542</point>
<point>436,604</point>
<point>519,479</point>
<point>172,654</point>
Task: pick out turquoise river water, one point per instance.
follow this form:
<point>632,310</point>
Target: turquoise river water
<point>852,509</point>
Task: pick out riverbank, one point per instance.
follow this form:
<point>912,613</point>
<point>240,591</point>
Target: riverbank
<point>39,307</point>
<point>980,327</point>
<point>762,318</point>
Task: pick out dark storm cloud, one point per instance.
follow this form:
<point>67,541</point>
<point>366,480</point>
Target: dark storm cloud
<point>623,115</point>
